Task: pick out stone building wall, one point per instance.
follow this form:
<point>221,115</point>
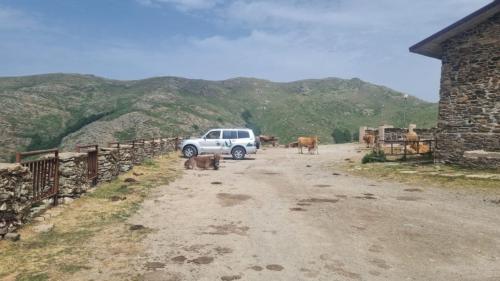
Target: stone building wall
<point>469,106</point>
<point>108,164</point>
<point>15,195</point>
<point>73,174</point>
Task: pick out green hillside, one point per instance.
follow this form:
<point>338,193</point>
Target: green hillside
<point>51,110</point>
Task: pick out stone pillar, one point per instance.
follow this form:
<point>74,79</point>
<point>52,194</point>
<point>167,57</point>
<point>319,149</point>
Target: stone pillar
<point>362,133</point>
<point>125,159</point>
<point>15,194</point>
<point>138,154</point>
<point>73,174</point>
<point>109,164</point>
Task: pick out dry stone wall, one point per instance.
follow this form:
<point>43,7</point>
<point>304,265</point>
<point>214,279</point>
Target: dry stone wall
<point>469,106</point>
<point>73,174</point>
<point>15,193</point>
<point>16,198</point>
<point>108,164</point>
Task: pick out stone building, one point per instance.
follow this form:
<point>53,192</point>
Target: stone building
<point>469,104</point>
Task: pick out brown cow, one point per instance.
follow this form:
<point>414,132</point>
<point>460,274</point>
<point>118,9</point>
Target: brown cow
<point>369,139</point>
<point>310,142</point>
<point>203,162</point>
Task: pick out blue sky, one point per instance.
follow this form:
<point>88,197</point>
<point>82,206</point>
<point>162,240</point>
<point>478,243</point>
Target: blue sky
<point>218,39</point>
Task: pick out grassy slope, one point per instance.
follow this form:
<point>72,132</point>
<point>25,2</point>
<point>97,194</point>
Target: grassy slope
<point>38,111</point>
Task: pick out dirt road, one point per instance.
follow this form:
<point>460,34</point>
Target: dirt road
<point>285,216</point>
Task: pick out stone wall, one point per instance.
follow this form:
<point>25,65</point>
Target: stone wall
<point>15,195</point>
<point>73,174</point>
<point>138,154</point>
<point>126,158</point>
<point>108,164</point>
<point>16,200</point>
<point>469,106</point>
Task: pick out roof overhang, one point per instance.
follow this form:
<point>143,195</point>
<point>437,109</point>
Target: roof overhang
<point>431,46</point>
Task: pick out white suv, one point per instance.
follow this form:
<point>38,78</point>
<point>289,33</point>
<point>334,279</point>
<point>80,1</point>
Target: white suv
<point>237,142</point>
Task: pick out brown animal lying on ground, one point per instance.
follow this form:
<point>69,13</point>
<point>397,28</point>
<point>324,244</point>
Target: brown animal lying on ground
<point>203,162</point>
<point>310,142</point>
<point>268,139</point>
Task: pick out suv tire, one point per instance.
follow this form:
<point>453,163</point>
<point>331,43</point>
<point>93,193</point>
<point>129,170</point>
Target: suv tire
<point>189,151</point>
<point>238,153</point>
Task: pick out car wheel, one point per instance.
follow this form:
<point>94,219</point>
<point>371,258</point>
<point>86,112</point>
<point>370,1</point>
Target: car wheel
<point>190,151</point>
<point>238,153</point>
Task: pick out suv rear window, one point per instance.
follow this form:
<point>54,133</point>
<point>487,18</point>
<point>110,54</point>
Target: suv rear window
<point>243,135</point>
<point>229,135</point>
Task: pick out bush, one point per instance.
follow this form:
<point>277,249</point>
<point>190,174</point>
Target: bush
<point>374,157</point>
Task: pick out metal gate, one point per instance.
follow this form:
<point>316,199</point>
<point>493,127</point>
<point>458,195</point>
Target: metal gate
<point>92,161</point>
<point>45,173</point>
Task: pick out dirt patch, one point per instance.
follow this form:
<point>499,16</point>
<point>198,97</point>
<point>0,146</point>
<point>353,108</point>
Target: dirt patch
<point>297,209</point>
<point>271,173</point>
<point>179,259</point>
<point>343,272</point>
<point>228,199</point>
<point>375,249</point>
<point>130,180</point>
<point>369,197</point>
<point>380,263</point>
<point>341,196</point>
<point>413,190</point>
<point>319,200</point>
<point>304,204</point>
<point>223,250</point>
<point>274,267</point>
<point>154,265</point>
<point>202,260</point>
<point>216,182</point>
<point>496,202</point>
<point>226,229</point>
<point>322,185</point>
<point>408,198</point>
<point>257,268</point>
<point>195,248</point>
<point>230,277</point>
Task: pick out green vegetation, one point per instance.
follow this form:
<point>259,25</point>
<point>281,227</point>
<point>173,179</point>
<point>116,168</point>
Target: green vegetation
<point>341,135</point>
<point>39,111</point>
<point>374,156</point>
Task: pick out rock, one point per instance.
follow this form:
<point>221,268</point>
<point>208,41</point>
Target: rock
<point>12,236</point>
<point>117,198</point>
<point>43,228</point>
<point>136,227</point>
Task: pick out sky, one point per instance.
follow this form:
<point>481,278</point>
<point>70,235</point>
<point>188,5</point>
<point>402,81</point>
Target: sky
<point>280,40</point>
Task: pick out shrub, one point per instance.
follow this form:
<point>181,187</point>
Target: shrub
<point>374,156</point>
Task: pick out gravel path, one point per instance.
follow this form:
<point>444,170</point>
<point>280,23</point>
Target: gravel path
<point>285,216</point>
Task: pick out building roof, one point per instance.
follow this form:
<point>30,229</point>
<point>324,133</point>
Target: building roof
<point>431,46</point>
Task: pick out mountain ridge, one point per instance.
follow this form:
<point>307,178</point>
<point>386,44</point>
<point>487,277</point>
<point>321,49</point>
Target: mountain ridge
<point>53,109</point>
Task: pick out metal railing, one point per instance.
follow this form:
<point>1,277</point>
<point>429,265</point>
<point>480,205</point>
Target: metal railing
<point>45,173</point>
<point>92,161</point>
<point>406,147</point>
